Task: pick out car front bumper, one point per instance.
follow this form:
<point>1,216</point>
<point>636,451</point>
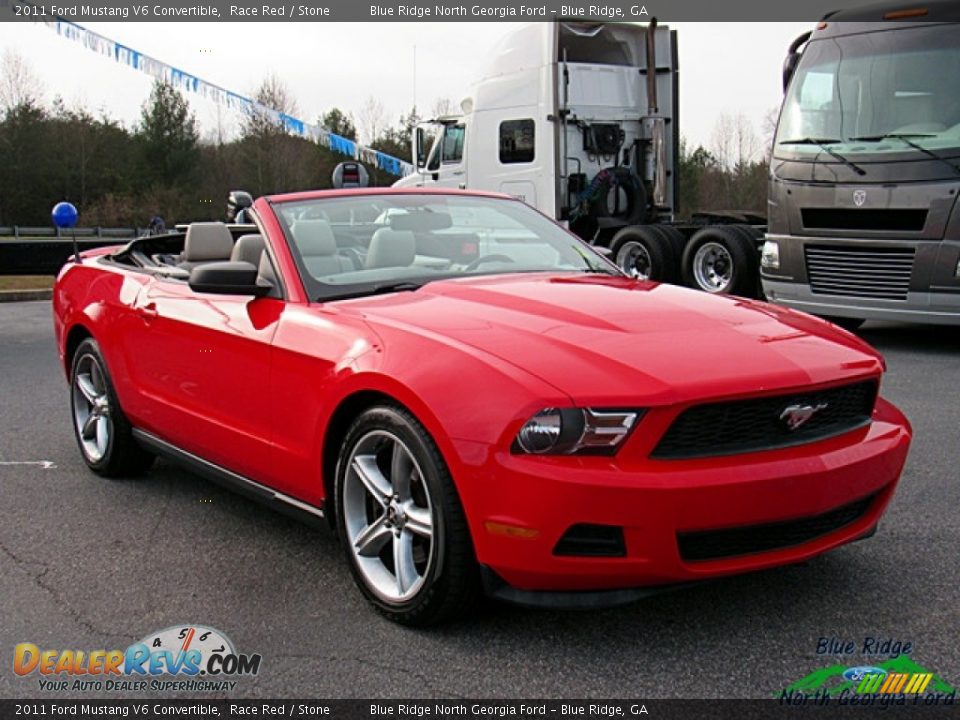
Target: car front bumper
<point>519,507</point>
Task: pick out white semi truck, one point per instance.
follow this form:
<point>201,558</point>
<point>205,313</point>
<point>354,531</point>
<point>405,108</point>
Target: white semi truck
<point>580,120</point>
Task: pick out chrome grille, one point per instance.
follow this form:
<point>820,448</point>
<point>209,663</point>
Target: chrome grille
<point>870,272</point>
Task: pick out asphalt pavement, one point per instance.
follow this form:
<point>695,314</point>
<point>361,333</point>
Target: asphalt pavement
<point>88,563</point>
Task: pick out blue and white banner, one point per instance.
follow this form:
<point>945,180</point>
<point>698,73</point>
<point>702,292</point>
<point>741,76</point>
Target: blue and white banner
<point>190,83</point>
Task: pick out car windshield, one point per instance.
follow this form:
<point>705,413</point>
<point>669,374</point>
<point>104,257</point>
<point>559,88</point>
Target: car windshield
<point>868,93</point>
<point>349,246</point>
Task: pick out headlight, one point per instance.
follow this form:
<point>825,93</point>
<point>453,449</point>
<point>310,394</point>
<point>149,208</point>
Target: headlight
<point>564,431</point>
<point>770,259</point>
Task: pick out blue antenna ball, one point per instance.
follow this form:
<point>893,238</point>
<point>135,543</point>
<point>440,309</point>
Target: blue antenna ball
<point>64,215</point>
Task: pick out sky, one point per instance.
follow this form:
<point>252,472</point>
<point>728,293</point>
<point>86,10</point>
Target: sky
<point>725,68</point>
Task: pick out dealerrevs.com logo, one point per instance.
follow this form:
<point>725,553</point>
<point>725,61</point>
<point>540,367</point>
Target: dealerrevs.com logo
<point>186,658</point>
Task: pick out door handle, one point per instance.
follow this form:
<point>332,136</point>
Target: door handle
<point>148,311</point>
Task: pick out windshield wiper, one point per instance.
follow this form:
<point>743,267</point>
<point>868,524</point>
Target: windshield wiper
<point>822,143</point>
<point>402,286</point>
<point>905,138</point>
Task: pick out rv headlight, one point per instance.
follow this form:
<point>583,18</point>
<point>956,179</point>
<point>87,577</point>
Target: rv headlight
<point>770,259</point>
<point>565,431</point>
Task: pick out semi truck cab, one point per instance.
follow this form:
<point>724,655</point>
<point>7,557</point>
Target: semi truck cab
<point>561,105</point>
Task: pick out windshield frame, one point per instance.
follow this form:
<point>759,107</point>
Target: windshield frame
<point>318,291</point>
<point>890,149</point>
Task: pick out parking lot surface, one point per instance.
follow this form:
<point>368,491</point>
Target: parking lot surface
<point>88,563</point>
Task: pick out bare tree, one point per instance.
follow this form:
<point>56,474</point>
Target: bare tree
<point>371,120</point>
<point>734,141</point>
<point>769,129</point>
<point>272,94</point>
<point>273,155</point>
<point>444,106</point>
<point>19,84</point>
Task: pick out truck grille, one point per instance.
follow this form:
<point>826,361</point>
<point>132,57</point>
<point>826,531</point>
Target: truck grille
<point>752,425</point>
<point>731,542</point>
<point>882,273</point>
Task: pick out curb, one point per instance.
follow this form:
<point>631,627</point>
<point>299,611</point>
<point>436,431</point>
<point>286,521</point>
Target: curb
<point>24,295</point>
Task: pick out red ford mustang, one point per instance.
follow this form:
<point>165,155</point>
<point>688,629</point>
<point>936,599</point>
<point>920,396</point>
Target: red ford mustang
<point>476,400</point>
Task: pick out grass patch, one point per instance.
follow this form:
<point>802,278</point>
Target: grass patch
<point>26,282</point>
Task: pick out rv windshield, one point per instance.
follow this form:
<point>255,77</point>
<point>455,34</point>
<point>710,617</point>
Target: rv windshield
<point>869,93</point>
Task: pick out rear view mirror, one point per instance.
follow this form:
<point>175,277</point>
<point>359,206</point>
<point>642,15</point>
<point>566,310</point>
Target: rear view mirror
<point>420,148</point>
<point>227,278</point>
<point>793,59</point>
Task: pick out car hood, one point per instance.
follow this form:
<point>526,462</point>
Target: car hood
<point>604,339</point>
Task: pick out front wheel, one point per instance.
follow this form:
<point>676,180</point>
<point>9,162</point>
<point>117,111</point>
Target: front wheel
<point>401,522</point>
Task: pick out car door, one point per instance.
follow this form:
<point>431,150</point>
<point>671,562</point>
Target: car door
<point>203,365</point>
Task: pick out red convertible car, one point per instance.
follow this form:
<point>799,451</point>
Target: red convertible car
<point>476,400</point>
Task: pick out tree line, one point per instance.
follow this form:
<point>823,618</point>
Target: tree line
<point>119,176</point>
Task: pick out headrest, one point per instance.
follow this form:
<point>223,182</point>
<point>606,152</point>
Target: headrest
<point>391,248</point>
<point>207,241</point>
<point>314,237</point>
<point>422,221</point>
<point>248,248</point>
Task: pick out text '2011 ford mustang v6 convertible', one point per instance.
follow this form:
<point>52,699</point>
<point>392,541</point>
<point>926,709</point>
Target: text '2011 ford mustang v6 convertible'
<point>476,399</point>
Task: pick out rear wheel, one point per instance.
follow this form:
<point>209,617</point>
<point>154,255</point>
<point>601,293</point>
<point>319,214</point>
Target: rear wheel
<point>102,431</point>
<point>721,260</point>
<point>401,522</point>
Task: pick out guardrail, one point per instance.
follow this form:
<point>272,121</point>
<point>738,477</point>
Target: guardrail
<point>44,250</point>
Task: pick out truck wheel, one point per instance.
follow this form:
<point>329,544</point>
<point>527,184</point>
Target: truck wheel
<point>848,324</point>
<point>721,260</point>
<point>677,241</point>
<point>752,235</point>
<point>644,254</point>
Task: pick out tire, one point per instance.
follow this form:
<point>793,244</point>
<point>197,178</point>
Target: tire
<point>752,235</point>
<point>644,253</point>
<point>380,517</point>
<point>721,260</point>
<point>677,241</point>
<point>848,324</point>
<point>102,431</point>
<point>636,196</point>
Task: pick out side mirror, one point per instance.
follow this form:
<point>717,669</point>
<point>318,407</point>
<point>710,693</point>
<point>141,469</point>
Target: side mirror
<point>227,278</point>
<point>793,59</point>
<point>420,148</point>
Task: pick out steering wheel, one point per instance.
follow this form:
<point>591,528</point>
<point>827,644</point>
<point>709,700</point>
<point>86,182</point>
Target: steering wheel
<point>487,258</point>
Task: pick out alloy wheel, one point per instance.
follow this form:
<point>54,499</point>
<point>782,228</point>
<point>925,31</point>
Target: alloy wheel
<point>91,408</point>
<point>388,516</point>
